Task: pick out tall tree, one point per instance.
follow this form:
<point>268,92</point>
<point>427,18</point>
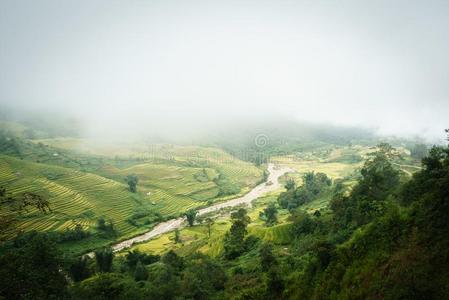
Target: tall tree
<point>191,216</point>
<point>140,273</point>
<point>79,269</point>
<point>132,181</point>
<point>270,213</point>
<point>173,260</point>
<point>368,197</point>
<point>234,239</point>
<point>31,269</point>
<point>267,259</point>
<point>209,223</point>
<point>177,236</point>
<point>104,258</point>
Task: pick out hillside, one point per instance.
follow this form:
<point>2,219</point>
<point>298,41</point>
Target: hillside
<point>82,188</point>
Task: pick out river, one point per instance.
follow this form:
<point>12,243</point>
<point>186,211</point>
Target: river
<point>270,185</point>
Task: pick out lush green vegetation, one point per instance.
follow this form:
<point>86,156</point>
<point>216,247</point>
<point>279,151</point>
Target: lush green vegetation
<point>356,222</point>
<point>379,239</point>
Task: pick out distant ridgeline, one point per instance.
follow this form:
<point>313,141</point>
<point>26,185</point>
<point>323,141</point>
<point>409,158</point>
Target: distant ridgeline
<point>258,142</point>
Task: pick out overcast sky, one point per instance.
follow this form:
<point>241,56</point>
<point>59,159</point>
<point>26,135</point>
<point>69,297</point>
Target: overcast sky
<point>381,64</point>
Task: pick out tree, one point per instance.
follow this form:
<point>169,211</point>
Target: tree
<point>367,199</point>
<point>191,215</point>
<point>209,223</point>
<point>105,227</point>
<point>79,269</point>
<point>379,179</point>
<point>12,207</point>
<point>101,224</point>
<point>202,278</point>
<point>106,286</point>
<point>429,189</point>
<point>290,184</point>
<point>314,185</point>
<point>302,223</point>
<point>104,258</point>
<point>275,283</point>
<point>174,261</point>
<point>177,236</point>
<point>266,256</point>
<point>234,239</point>
<point>132,181</point>
<point>270,214</point>
<point>31,269</point>
<point>134,256</point>
<point>140,272</point>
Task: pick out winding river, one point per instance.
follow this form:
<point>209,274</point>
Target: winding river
<point>270,185</point>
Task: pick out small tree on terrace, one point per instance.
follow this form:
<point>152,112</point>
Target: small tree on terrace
<point>132,181</point>
<point>266,256</point>
<point>234,239</point>
<point>209,223</point>
<point>191,215</point>
<point>290,184</point>
<point>140,273</point>
<point>270,214</point>
<point>177,236</point>
<point>12,207</point>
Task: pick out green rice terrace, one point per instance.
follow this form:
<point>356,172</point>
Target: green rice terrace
<point>190,177</point>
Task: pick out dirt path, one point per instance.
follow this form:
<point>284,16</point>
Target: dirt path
<point>270,185</point>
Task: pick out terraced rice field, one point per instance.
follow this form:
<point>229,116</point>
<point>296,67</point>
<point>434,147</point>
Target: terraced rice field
<point>278,234</point>
<point>239,172</point>
<point>169,187</point>
<point>173,189</point>
<point>333,169</point>
<point>75,197</point>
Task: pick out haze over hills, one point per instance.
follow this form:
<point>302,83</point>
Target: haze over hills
<point>381,66</point>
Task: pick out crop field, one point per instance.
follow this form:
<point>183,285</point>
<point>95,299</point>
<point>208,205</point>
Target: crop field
<point>199,156</point>
<point>214,160</point>
<point>239,172</point>
<point>75,197</point>
<point>168,187</point>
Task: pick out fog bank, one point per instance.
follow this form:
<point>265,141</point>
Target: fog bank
<point>138,67</point>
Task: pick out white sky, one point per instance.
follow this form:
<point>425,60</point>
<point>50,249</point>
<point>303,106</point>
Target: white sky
<point>127,64</point>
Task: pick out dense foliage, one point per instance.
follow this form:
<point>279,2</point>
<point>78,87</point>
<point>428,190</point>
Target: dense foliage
<point>314,186</point>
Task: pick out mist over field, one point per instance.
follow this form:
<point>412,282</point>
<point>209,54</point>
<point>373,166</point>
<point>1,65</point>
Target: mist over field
<point>270,149</point>
<point>181,67</point>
